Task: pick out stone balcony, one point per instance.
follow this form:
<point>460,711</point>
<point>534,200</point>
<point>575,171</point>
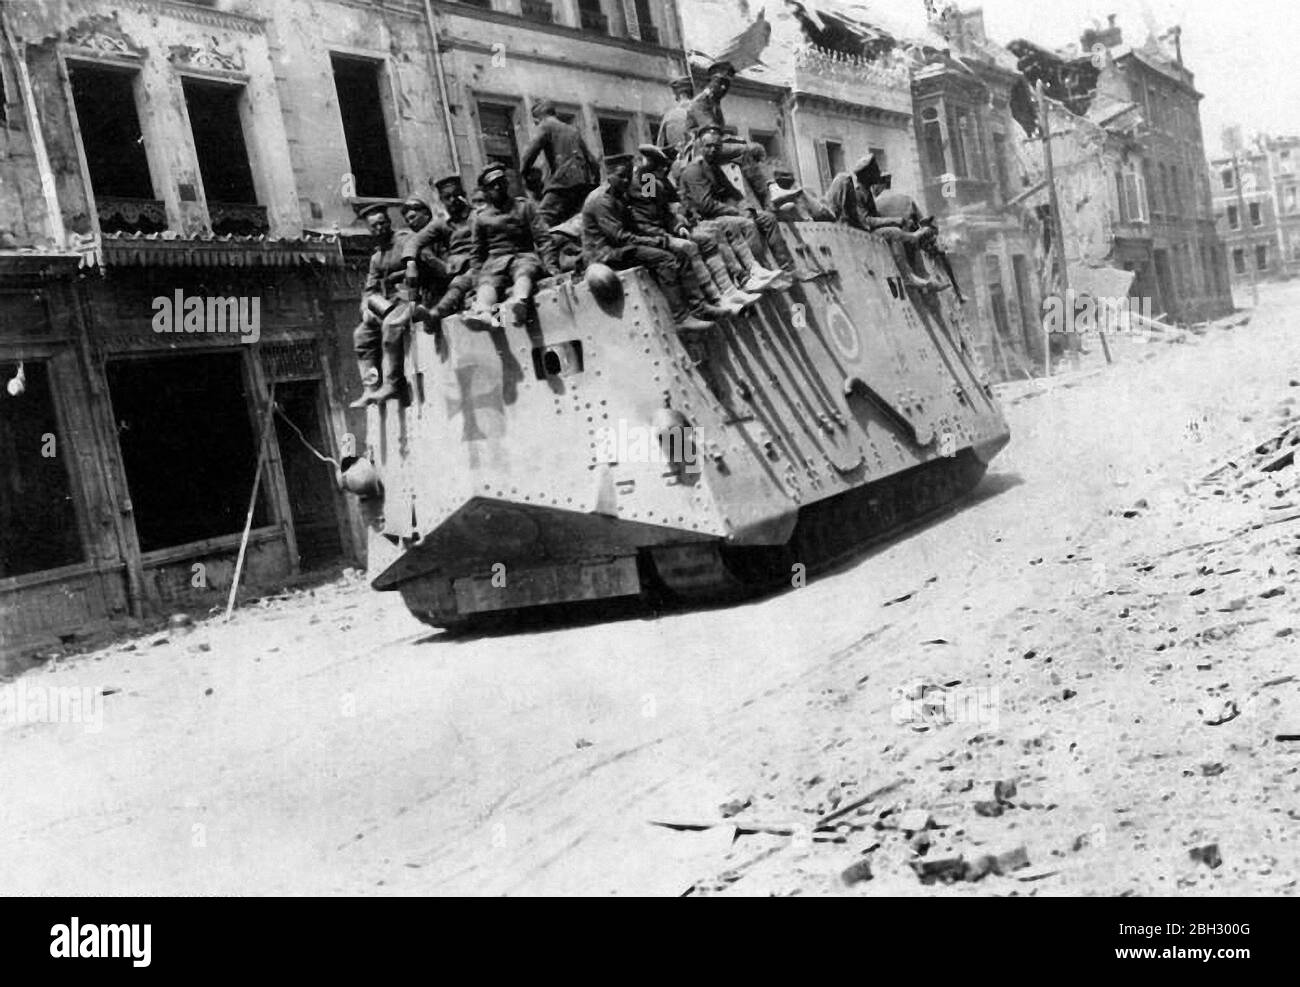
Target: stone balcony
<point>881,85</point>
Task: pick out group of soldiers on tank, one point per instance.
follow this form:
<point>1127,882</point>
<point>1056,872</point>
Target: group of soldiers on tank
<point>671,208</point>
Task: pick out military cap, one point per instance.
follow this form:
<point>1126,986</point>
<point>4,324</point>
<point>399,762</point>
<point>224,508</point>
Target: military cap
<point>415,202</point>
<point>451,182</point>
<point>543,105</point>
<point>782,171</point>
<point>723,68</point>
<point>613,161</point>
<point>492,174</point>
<point>866,165</point>
<point>710,128</point>
<point>682,84</point>
<point>374,207</point>
<point>654,155</point>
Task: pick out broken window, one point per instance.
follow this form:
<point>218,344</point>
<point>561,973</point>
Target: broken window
<point>613,134</point>
<point>188,446</point>
<point>365,128</point>
<point>1256,219</point>
<point>223,158</point>
<point>114,147</point>
<point>38,523</point>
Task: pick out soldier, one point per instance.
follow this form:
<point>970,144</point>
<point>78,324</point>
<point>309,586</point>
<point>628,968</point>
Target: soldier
<point>674,129</point>
<point>507,236</point>
<point>656,211</point>
<point>572,168</point>
<point>851,200</point>
<point>383,316</point>
<point>610,236</point>
<point>452,239</point>
<point>706,111</point>
<point>712,199</point>
<point>804,207</point>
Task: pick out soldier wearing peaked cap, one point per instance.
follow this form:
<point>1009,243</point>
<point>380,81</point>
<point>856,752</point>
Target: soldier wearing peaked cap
<point>508,234</point>
<point>656,210</point>
<point>705,110</point>
<point>377,339</point>
<point>451,242</point>
<point>610,236</point>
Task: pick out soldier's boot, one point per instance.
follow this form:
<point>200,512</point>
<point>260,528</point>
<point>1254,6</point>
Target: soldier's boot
<point>702,278</point>
<point>517,302</point>
<point>727,289</point>
<point>369,383</point>
<point>680,307</point>
<point>394,385</point>
<point>757,277</point>
<point>480,315</point>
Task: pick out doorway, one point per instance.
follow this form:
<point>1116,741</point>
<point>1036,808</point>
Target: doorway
<point>309,481</point>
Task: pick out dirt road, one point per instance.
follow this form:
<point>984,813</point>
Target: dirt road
<point>1128,687</point>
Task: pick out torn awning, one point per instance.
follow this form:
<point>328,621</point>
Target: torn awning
<point>150,250</point>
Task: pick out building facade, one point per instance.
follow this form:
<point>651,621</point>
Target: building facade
<point>154,151</point>
<point>1130,119</point>
<point>1260,220</point>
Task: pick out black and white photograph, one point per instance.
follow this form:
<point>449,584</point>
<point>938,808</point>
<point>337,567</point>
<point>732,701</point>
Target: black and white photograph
<point>650,448</point>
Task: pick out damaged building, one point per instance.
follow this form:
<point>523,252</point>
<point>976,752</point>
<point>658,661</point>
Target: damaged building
<point>1127,147</point>
<point>156,287</point>
<point>974,184</point>
<point>1257,206</point>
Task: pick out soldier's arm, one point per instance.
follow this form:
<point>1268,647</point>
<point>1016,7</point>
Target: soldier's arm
<point>374,276</point>
<point>541,137</point>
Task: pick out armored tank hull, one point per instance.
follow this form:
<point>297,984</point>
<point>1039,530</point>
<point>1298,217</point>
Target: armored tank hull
<point>599,453</point>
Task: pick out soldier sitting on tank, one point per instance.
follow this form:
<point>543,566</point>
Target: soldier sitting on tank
<point>508,233</point>
<point>804,207</point>
<point>452,241</point>
<point>384,317</point>
<point>572,169</point>
<point>892,204</point>
<point>705,111</point>
<point>656,211</point>
<point>610,237</point>
<point>715,203</point>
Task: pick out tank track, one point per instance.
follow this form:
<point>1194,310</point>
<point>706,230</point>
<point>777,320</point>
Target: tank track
<point>826,533</point>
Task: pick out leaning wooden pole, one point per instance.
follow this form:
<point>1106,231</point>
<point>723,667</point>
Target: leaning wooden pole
<point>252,502</point>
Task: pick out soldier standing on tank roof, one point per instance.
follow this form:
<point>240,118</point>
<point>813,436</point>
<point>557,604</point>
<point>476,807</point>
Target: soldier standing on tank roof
<point>572,170</point>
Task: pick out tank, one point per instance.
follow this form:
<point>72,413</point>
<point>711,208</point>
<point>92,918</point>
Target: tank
<point>597,453</point>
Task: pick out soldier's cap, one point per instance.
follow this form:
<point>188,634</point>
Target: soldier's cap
<point>452,183</point>
<point>682,84</point>
<point>723,68</point>
<point>867,167</point>
<point>613,161</point>
<point>782,171</point>
<point>491,175</point>
<point>654,155</point>
<point>372,209</point>
<point>709,128</point>
<point>415,202</point>
<point>543,106</point>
